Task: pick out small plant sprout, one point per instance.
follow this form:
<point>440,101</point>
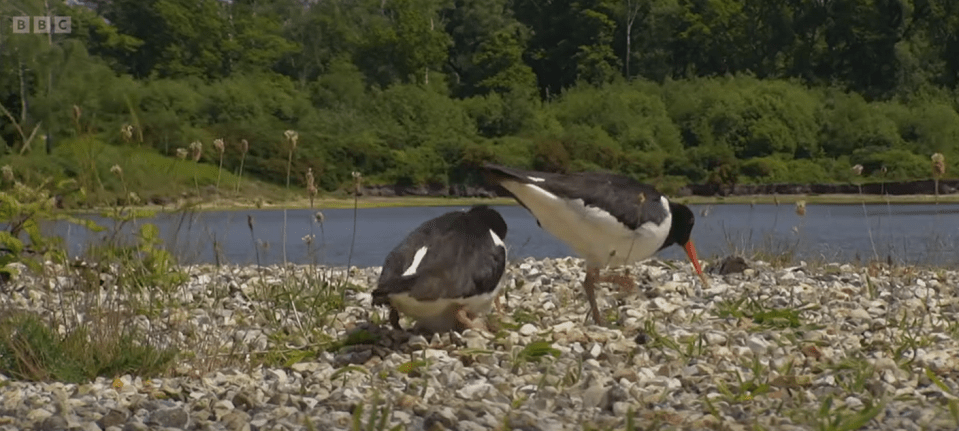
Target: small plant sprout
<point>218,144</point>
<point>7,173</point>
<point>244,147</point>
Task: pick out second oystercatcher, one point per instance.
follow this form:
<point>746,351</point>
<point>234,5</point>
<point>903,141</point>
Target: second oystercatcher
<point>608,219</point>
<point>447,272</point>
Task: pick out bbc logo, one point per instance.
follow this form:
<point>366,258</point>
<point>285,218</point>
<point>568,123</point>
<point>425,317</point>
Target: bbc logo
<point>42,24</point>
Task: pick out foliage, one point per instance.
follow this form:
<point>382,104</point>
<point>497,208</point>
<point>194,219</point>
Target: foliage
<point>22,208</point>
<point>31,350</point>
<point>420,91</point>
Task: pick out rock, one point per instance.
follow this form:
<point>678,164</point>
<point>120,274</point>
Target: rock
<point>527,330</point>
<point>53,423</point>
<point>732,265</point>
<point>112,418</point>
<point>169,418</point>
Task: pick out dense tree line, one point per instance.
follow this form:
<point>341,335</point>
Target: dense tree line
<point>420,91</point>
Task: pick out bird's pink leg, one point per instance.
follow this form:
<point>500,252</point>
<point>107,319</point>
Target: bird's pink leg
<point>589,285</point>
<point>463,318</point>
<point>625,282</point>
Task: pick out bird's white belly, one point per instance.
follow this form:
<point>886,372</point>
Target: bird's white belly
<point>440,315</point>
<point>593,234</point>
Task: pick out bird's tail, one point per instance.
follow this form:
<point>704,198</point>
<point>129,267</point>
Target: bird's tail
<point>495,174</point>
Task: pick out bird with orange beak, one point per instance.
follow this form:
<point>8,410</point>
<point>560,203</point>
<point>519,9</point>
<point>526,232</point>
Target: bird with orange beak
<point>610,220</point>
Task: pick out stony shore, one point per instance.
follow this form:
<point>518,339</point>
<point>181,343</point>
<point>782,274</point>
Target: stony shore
<point>831,347</point>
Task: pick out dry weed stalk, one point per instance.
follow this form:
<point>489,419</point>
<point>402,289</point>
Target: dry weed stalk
<point>218,144</point>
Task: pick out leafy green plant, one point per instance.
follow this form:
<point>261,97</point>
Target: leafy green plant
<point>22,208</point>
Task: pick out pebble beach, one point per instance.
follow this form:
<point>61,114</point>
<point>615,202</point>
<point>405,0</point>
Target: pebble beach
<point>828,346</point>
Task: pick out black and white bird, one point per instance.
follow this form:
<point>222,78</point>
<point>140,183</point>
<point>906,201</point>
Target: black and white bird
<point>447,272</point>
<point>608,219</point>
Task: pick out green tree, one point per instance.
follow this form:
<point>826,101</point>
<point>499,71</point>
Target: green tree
<point>405,44</point>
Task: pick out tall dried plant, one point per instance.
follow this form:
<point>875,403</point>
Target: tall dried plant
<point>218,144</point>
<point>244,147</point>
<point>291,138</point>
<point>357,181</point>
<point>938,170</point>
<point>857,170</point>
<point>196,150</point>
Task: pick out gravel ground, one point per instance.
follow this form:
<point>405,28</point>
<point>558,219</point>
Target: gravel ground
<point>831,347</point>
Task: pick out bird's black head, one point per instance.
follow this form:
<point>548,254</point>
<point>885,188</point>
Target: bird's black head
<point>682,227</point>
<point>679,232</point>
<point>490,218</point>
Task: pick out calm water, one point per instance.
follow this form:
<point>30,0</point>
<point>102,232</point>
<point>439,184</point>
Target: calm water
<point>909,233</point>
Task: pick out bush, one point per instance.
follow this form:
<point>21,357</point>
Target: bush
<point>901,164</point>
<point>631,117</point>
<point>754,118</point>
<point>849,123</point>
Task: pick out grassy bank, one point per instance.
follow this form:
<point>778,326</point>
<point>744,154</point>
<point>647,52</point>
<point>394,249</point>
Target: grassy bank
<point>818,199</point>
<point>421,201</point>
<point>335,202</point>
<point>111,175</point>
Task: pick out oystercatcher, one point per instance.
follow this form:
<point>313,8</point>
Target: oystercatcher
<point>608,219</point>
<point>446,272</point>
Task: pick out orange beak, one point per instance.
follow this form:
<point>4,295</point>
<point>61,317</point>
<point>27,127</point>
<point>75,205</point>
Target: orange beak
<point>691,252</point>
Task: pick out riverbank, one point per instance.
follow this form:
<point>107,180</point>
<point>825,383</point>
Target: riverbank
<point>768,347</point>
<point>228,204</point>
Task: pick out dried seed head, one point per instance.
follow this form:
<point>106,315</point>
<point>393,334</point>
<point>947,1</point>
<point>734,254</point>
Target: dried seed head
<point>308,239</point>
<point>218,144</point>
<point>801,208</point>
<point>292,137</point>
<point>197,148</point>
<point>857,169</point>
<point>77,112</point>
<point>883,170</point>
<point>244,146</point>
<point>7,172</point>
<point>127,132</point>
<point>938,164</point>
<point>135,198</point>
<point>181,153</point>
<point>310,182</point>
<point>357,175</point>
<point>319,216</point>
<point>117,170</point>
